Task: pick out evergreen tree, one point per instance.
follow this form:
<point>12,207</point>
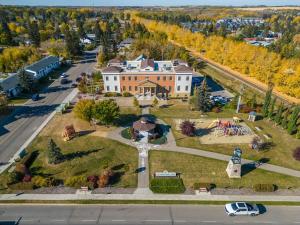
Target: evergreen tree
<point>253,101</point>
<point>272,107</point>
<point>266,105</point>
<point>202,100</point>
<point>102,56</point>
<point>284,121</point>
<point>34,34</point>
<point>54,154</point>
<point>81,32</point>
<point>278,117</point>
<point>72,43</point>
<point>292,124</point>
<point>26,81</point>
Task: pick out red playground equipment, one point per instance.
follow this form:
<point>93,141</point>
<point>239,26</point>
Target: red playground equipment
<point>228,128</point>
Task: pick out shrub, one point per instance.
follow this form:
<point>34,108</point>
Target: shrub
<point>136,102</point>
<point>92,181</point>
<point>197,186</point>
<point>296,154</point>
<point>264,187</point>
<point>158,141</point>
<point>155,102</point>
<point>167,185</point>
<point>76,181</point>
<point>14,177</point>
<point>40,181</point>
<point>112,94</point>
<point>126,133</point>
<point>127,94</point>
<point>104,178</point>
<point>188,128</point>
<point>26,178</point>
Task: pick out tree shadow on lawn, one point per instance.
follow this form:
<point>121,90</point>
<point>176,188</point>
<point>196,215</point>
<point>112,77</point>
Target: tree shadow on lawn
<point>126,120</point>
<point>249,167</point>
<point>118,167</point>
<point>115,179</point>
<point>79,154</point>
<point>85,132</point>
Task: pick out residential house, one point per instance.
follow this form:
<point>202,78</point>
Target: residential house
<point>10,84</point>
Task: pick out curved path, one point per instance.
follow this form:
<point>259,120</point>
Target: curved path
<point>171,146</point>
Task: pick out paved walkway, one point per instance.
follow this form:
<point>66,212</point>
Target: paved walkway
<point>203,197</point>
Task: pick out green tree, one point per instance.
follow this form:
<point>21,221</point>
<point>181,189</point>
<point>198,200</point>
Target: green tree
<point>84,109</point>
<point>278,117</point>
<point>54,154</point>
<point>292,124</point>
<point>5,34</point>
<point>106,111</point>
<point>34,34</point>
<point>202,100</point>
<point>253,101</point>
<point>272,107</point>
<point>3,101</point>
<point>26,82</point>
<point>267,101</point>
<point>102,56</point>
<point>285,118</point>
<point>98,32</point>
<point>72,43</point>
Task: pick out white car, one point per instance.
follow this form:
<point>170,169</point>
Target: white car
<point>241,209</point>
<point>64,75</point>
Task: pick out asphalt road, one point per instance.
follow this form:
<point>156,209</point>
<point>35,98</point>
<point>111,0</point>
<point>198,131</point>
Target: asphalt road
<point>19,126</point>
<point>140,214</point>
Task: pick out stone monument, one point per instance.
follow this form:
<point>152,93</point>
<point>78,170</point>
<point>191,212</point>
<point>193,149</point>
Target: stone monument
<point>234,167</point>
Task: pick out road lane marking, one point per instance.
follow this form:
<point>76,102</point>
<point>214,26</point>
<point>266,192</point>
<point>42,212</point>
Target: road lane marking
<point>157,220</point>
<point>208,221</point>
<point>57,220</point>
<point>88,220</point>
<point>180,221</point>
<point>118,220</point>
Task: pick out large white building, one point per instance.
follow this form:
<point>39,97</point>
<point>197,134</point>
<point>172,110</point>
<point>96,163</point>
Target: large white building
<point>148,77</point>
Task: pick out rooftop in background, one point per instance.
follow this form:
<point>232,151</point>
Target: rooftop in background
<point>147,65</point>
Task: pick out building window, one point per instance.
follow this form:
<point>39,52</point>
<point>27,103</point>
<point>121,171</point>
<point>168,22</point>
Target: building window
<point>123,78</point>
<point>124,88</point>
<point>135,78</point>
<point>107,88</point>
<point>129,88</point>
<point>106,78</point>
<point>170,88</point>
<point>147,78</point>
<point>158,77</point>
<point>187,78</point>
<point>170,78</point>
<point>115,77</point>
<point>135,88</point>
<point>179,78</point>
<point>186,88</point>
<point>116,88</point>
<point>129,78</point>
<point>164,77</point>
<point>178,88</point>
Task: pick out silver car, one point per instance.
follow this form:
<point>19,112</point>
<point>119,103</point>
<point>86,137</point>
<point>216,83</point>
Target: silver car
<point>241,209</point>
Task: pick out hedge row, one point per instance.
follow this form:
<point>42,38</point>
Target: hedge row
<point>167,185</point>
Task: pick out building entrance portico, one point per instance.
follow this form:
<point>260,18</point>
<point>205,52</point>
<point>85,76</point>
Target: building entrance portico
<point>147,88</point>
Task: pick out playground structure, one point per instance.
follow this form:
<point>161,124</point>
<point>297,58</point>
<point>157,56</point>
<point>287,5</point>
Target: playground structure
<point>69,132</point>
<point>229,128</point>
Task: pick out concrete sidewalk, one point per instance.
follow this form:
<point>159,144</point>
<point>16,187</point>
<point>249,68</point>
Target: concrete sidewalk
<point>148,196</point>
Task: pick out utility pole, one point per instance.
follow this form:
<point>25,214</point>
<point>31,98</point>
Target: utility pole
<point>240,98</point>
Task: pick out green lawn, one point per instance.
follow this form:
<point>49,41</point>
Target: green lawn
<point>195,169</point>
<point>279,154</point>
<point>92,155</point>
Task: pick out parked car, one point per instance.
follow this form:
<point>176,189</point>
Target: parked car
<point>78,79</point>
<point>64,81</point>
<point>63,75</point>
<point>35,97</point>
<point>241,209</point>
<point>74,85</point>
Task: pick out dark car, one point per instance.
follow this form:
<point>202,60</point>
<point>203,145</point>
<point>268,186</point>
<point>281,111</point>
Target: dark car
<point>64,81</point>
<point>35,97</point>
<point>74,85</point>
<point>78,79</point>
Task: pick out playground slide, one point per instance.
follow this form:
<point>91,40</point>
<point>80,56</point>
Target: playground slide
<point>213,124</point>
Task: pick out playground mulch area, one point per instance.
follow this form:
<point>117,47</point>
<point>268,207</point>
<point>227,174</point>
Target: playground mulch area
<point>209,131</point>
